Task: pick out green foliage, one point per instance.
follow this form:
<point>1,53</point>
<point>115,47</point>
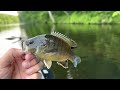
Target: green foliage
<point>116,14</point>
<point>8,19</point>
<point>84,17</point>
<point>33,16</point>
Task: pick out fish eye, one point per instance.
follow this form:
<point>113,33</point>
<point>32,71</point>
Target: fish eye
<point>31,42</point>
<point>44,45</point>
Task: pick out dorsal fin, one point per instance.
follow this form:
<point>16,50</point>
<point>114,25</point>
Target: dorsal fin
<point>71,42</point>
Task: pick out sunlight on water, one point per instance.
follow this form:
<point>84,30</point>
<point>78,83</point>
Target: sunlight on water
<point>7,44</point>
<point>69,76</point>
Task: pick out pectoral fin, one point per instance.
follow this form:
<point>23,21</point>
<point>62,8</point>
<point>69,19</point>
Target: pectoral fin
<point>63,64</point>
<point>48,64</point>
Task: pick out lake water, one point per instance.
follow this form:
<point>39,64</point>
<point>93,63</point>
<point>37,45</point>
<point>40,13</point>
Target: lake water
<point>98,47</point>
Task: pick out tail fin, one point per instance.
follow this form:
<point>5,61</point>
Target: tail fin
<point>76,61</point>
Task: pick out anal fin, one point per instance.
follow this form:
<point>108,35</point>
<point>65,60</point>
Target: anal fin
<point>48,64</point>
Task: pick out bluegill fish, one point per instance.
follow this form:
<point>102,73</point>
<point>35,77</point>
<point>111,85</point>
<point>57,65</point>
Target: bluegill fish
<point>53,47</point>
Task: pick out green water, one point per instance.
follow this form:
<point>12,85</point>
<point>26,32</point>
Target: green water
<point>98,47</point>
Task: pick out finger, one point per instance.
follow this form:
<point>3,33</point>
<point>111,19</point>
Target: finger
<point>35,76</point>
<point>35,68</point>
<point>30,61</point>
<point>29,56</point>
<point>27,64</point>
<point>16,53</point>
<point>10,56</point>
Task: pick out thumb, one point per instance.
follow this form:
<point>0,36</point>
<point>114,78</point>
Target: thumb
<point>10,56</point>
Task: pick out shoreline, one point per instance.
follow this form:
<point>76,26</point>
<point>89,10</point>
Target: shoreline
<point>16,24</point>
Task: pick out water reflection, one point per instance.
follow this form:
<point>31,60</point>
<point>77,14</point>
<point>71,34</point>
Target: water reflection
<point>69,76</point>
<point>98,47</point>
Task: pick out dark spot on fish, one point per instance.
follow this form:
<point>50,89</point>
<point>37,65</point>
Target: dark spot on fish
<point>31,42</point>
<point>47,36</point>
<point>73,47</point>
<point>44,44</point>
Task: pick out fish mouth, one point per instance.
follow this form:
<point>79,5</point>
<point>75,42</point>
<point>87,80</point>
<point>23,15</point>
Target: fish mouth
<point>33,50</point>
<point>27,50</point>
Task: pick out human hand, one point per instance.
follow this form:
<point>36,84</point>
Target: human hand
<point>16,65</point>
